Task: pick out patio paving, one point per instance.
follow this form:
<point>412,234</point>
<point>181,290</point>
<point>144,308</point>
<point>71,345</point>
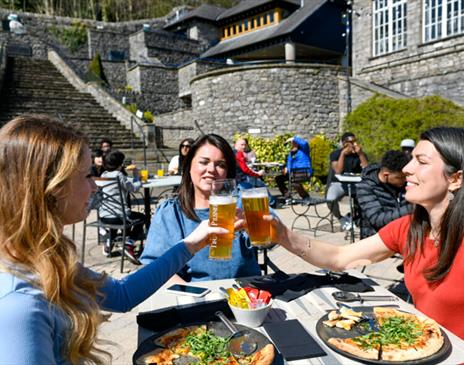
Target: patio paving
<point>121,328</point>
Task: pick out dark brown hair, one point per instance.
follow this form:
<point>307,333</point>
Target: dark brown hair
<point>186,190</point>
<point>449,143</point>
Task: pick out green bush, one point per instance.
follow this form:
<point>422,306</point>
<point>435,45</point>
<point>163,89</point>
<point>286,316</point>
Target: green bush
<point>148,116</point>
<point>95,71</point>
<point>72,37</point>
<point>131,107</point>
<point>276,150</point>
<point>380,123</point>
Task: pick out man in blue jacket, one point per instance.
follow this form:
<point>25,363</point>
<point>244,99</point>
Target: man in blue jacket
<point>298,162</point>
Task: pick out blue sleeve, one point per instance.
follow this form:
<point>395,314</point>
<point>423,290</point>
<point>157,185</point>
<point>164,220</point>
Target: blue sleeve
<point>165,231</point>
<point>122,295</point>
<point>303,144</point>
<point>26,330</point>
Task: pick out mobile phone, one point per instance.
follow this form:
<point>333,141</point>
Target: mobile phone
<point>194,291</point>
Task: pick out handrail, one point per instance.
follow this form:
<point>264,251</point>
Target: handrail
<point>132,121</point>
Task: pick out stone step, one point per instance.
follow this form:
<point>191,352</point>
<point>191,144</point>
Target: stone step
<point>36,86</point>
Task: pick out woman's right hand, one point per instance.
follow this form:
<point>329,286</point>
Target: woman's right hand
<point>198,239</point>
<point>279,231</point>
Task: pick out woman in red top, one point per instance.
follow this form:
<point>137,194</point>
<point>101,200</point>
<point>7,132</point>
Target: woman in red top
<point>430,239</point>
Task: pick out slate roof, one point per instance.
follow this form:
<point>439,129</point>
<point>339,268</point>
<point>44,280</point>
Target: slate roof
<point>205,11</point>
<point>285,27</point>
<point>245,5</point>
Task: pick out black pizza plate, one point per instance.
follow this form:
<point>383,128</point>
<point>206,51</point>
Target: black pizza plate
<point>326,332</point>
<point>217,327</point>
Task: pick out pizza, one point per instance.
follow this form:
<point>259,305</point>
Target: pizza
<point>201,346</point>
<point>398,336</point>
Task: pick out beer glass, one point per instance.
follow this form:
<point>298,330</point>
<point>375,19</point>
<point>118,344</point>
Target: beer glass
<point>144,175</point>
<point>256,204</point>
<point>222,203</point>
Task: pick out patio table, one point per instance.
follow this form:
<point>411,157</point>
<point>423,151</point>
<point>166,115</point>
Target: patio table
<point>308,309</point>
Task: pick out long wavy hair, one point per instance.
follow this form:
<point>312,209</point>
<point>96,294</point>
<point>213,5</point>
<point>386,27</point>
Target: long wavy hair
<point>449,143</point>
<point>186,189</point>
<point>37,157</point>
<point>191,141</point>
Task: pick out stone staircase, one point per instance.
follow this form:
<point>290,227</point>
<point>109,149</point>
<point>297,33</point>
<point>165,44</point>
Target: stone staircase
<point>36,86</point>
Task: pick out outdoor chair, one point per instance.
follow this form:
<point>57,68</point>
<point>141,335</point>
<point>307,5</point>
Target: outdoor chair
<point>114,204</point>
<point>309,207</point>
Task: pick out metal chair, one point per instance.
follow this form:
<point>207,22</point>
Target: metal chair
<point>115,206</point>
<point>301,207</point>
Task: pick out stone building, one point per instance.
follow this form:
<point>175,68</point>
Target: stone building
<point>270,66</point>
<point>411,47</point>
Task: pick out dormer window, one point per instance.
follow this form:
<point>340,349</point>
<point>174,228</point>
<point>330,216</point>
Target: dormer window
<point>252,23</point>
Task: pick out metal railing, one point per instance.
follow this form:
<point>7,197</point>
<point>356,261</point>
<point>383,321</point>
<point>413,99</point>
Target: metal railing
<point>144,139</point>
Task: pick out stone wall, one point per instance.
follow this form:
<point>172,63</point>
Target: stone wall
<point>189,71</point>
<point>174,127</point>
<point>159,91</point>
<point>276,99</point>
<point>433,68</point>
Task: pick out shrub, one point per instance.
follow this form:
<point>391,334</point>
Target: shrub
<point>275,150</point>
<point>380,123</point>
<point>131,107</point>
<point>95,72</point>
<point>72,37</point>
<point>148,116</point>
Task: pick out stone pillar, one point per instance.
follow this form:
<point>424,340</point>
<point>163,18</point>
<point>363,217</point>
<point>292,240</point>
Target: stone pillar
<point>290,52</point>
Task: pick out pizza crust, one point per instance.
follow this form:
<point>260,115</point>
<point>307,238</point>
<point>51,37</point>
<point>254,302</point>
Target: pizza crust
<point>347,345</point>
<point>429,343</point>
<point>265,356</point>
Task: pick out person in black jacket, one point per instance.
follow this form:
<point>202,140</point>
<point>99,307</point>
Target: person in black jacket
<point>380,194</point>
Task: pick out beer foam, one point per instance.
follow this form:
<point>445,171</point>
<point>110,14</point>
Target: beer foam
<point>222,200</point>
<point>254,193</point>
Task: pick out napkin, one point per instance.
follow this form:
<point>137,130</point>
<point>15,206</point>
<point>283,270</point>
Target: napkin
<point>163,319</point>
<point>292,340</point>
<point>289,287</point>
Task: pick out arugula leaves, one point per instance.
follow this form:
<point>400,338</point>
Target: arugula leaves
<point>208,347</point>
<point>393,331</point>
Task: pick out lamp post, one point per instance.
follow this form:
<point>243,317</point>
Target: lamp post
<point>347,22</point>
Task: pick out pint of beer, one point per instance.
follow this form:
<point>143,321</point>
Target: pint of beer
<point>256,204</point>
<point>222,202</point>
<point>144,176</point>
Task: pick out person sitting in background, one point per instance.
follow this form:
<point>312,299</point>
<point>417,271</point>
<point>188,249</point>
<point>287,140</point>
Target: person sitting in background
<point>348,159</point>
<point>298,158</point>
<point>407,145</point>
<point>97,166</point>
<point>431,239</point>
<point>249,153</point>
<point>50,304</point>
<point>380,194</point>
<point>244,173</point>
<point>113,163</point>
<point>106,145</point>
<point>246,177</point>
<point>175,165</point>
<point>210,158</point>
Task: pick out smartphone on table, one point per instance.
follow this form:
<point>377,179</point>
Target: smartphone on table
<point>193,291</point>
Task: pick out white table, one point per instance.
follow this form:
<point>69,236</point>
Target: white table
<point>158,182</point>
<point>308,309</point>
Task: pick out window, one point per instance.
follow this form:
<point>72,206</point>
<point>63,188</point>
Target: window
<point>390,26</point>
<point>442,18</point>
<point>271,17</point>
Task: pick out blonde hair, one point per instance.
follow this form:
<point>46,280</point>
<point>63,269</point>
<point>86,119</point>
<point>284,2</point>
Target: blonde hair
<point>37,157</point>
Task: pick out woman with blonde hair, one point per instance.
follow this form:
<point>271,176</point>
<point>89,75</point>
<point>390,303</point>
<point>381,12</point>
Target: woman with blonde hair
<point>49,304</point>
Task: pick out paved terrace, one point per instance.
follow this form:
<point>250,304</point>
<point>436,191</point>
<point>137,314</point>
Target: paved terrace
<point>121,328</point>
